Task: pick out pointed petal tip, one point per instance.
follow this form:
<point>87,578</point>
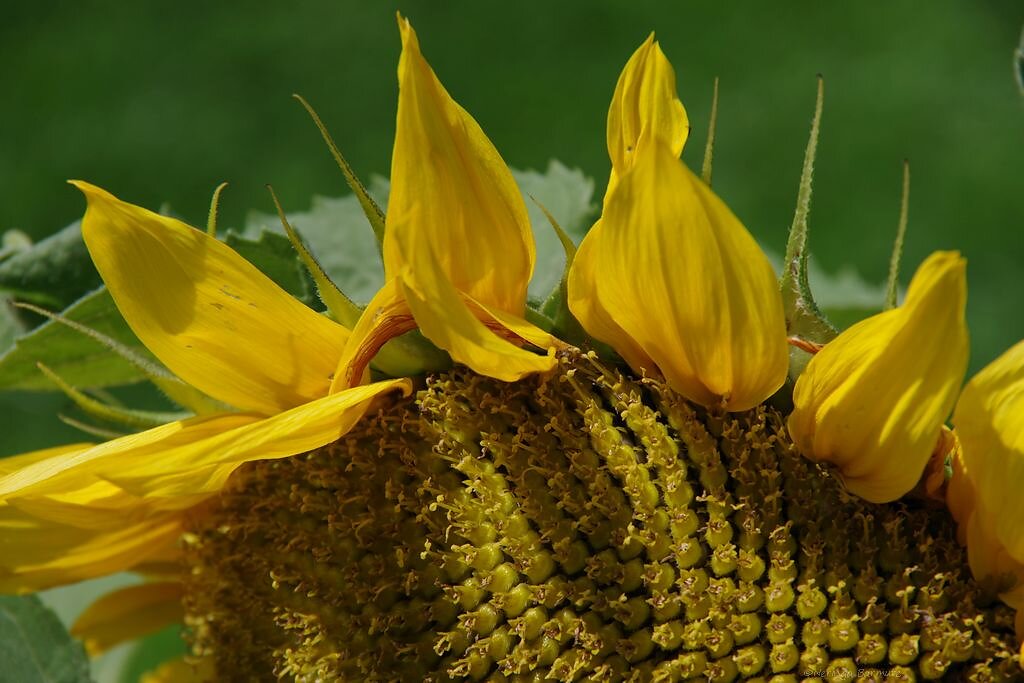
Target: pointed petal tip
<point>88,189</point>
<point>95,195</point>
<point>407,32</point>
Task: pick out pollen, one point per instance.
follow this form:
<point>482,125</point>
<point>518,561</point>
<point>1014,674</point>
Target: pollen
<point>584,525</point>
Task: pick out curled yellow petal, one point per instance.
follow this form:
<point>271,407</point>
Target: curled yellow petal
<point>467,203</point>
<point>645,104</point>
<point>488,340</point>
<point>386,316</point>
<point>874,399</point>
<point>127,614</point>
<point>670,274</point>
<point>459,323</point>
<point>989,422</point>
<point>209,315</point>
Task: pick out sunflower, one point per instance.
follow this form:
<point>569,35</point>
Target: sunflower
<point>670,497</point>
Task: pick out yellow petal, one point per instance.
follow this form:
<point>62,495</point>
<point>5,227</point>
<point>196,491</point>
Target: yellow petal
<point>77,470</point>
<point>935,484</point>
<point>873,400</point>
<point>685,283</point>
<point>111,507</point>
<point>644,104</point>
<point>960,495</point>
<point>201,468</point>
<point>586,308</point>
<point>16,462</point>
<point>486,339</point>
<point>464,326</point>
<point>990,561</point>
<point>386,316</point>
<point>99,505</point>
<point>989,421</point>
<point>208,314</point>
<point>37,554</point>
<point>127,614</point>
<point>512,327</point>
<point>182,671</point>
<point>468,204</point>
<point>176,466</point>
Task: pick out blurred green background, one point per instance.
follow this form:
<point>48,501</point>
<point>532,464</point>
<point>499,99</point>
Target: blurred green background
<point>160,101</point>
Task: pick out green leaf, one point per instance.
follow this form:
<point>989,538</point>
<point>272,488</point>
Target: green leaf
<point>10,327</point>
<point>69,601</point>
<point>568,195</point>
<point>272,253</point>
<point>53,272</point>
<point>339,237</point>
<point>34,645</point>
<point>80,360</point>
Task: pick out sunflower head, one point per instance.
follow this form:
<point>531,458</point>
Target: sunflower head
<point>670,497</point>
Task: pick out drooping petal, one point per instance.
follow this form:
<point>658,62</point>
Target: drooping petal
<point>127,614</point>
<point>873,400</point>
<point>176,466</point>
<point>468,204</point>
<point>74,472</point>
<point>118,505</point>
<point>989,421</point>
<point>644,104</point>
<point>16,462</point>
<point>37,554</point>
<point>685,283</point>
<point>202,467</point>
<point>96,506</point>
<point>208,314</point>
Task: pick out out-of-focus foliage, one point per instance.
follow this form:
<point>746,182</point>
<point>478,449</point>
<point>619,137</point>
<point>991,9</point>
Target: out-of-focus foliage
<point>35,647</point>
